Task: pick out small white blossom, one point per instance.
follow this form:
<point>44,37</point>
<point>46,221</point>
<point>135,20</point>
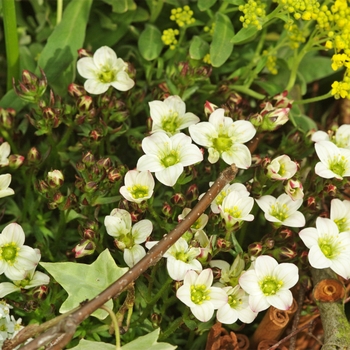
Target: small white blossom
<point>180,259</point>
<point>236,308</point>
<point>128,238</point>
<point>138,187</point>
<point>9,326</point>
<point>340,214</point>
<point>103,70</point>
<point>236,187</point>
<point>15,258</point>
<point>236,208</point>
<point>268,283</point>
<point>229,274</point>
<point>328,247</point>
<point>5,181</point>
<point>167,156</point>
<point>334,161</point>
<point>340,139</point>
<point>224,138</point>
<point>199,295</point>
<point>170,115</point>
<point>281,168</point>
<point>282,210</point>
<point>294,189</point>
<point>5,151</point>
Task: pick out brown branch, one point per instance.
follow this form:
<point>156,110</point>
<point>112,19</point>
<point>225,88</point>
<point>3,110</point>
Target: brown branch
<point>65,329</point>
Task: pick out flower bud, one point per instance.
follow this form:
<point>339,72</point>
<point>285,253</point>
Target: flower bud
<point>209,108</point>
<point>114,175</point>
<point>7,117</point>
<point>42,187</point>
<point>223,244</point>
<point>294,189</point>
<point>285,234</point>
<point>256,119</point>
<point>88,159</point>
<point>76,90</point>
<point>311,203</point>
<point>33,156</point>
<point>85,103</point>
<point>269,243</point>
<point>192,193</point>
<point>96,135</point>
<point>90,187</point>
<point>89,234</point>
<point>40,292</point>
<point>274,119</point>
<point>15,161</point>
<point>286,253</point>
<point>83,248</point>
<point>167,210</point>
<point>156,320</point>
<point>84,53</point>
<point>255,249</point>
<point>104,163</point>
<point>178,199</point>
<point>330,189</point>
<point>58,198</point>
<point>282,101</point>
<point>55,179</point>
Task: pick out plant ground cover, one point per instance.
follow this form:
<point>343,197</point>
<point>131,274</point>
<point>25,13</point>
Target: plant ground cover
<point>185,161</point>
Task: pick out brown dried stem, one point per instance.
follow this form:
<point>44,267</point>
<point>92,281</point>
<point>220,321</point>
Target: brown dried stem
<point>62,331</point>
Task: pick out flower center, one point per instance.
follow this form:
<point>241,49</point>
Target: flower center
<point>199,294</point>
<point>342,224</point>
<point>279,211</point>
<point>126,241</point>
<point>338,165</point>
<point>106,76</point>
<point>223,143</point>
<point>282,170</point>
<point>328,248</point>
<point>233,301</point>
<point>234,212</point>
<point>170,123</point>
<point>9,253</point>
<point>171,159</point>
<point>270,285</point>
<point>138,191</point>
<point>182,256</point>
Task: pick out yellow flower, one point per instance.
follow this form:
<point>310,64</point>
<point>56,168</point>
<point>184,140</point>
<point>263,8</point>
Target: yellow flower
<point>254,13</point>
<point>182,16</point>
<point>206,58</point>
<point>340,60</point>
<point>340,89</point>
<point>169,38</point>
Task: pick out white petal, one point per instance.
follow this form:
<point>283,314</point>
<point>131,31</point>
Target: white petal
<point>155,143</point>
<point>240,155</point>
<point>134,255</point>
<point>317,259</point>
<point>249,282</point>
<point>96,87</point>
<point>12,233</point>
<point>150,163</point>
<point>123,82</point>
<point>141,230</point>
<point>7,288</point>
<point>227,315</point>
<point>203,312</point>
<point>202,133</point>
<point>258,302</point>
<point>205,278</point>
<point>218,297</point>
<point>105,57</point>
<point>282,300</point>
<point>170,175</point>
<point>243,131</point>
<point>86,68</point>
<point>297,219</point>
<point>190,155</point>
<point>288,273</point>
<point>264,266</point>
<point>175,103</point>
<point>309,236</point>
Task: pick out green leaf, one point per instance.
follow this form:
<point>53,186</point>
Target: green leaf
<point>244,35</point>
<point>301,121</point>
<point>82,281</point>
<point>198,48</point>
<point>146,342</point>
<point>150,43</point>
<point>60,53</point>
<point>11,100</point>
<point>221,46</point>
<point>205,4</point>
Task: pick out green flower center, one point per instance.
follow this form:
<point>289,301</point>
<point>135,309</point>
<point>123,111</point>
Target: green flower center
<point>223,143</point>
<point>282,170</point>
<point>233,301</point>
<point>328,248</point>
<point>342,224</point>
<point>106,76</point>
<point>127,239</point>
<point>270,285</point>
<point>138,191</point>
<point>234,212</point>
<point>338,165</point>
<point>170,123</point>
<point>220,197</point>
<point>9,252</point>
<point>171,159</point>
<point>182,256</point>
<point>279,211</point>
<point>199,294</point>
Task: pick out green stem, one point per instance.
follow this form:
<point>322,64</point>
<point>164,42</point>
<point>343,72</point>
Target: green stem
<point>11,41</point>
<point>59,11</point>
<point>314,99</point>
<point>174,326</point>
<point>115,324</point>
<point>247,91</point>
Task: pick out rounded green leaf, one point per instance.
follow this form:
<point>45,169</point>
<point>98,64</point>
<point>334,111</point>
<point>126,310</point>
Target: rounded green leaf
<point>198,48</point>
<point>221,46</point>
<point>205,4</point>
<point>150,43</point>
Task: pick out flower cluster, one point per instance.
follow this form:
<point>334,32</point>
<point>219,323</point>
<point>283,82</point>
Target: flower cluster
<point>9,326</point>
<point>254,13</point>
<point>169,37</point>
<point>182,16</point>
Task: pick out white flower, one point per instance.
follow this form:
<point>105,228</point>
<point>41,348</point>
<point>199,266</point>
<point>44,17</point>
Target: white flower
<point>5,190</point>
<point>236,208</point>
<point>199,224</point>
<point>15,258</point>
<point>340,139</point>
<point>170,115</point>
<point>334,161</point>
<point>340,214</point>
<point>294,189</point>
<point>198,294</point>
<point>236,308</point>
<point>282,210</point>
<point>167,156</point>
<point>128,237</point>
<point>268,283</point>
<point>5,151</point>
<point>328,247</point>
<point>138,187</point>
<point>180,259</point>
<point>103,70</point>
<point>224,138</point>
<point>281,168</point>
<point>236,187</point>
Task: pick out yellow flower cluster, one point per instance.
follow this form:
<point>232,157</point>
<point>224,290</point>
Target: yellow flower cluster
<point>182,16</point>
<point>169,37</point>
<point>341,89</point>
<point>210,29</point>
<point>301,9</point>
<point>254,12</point>
<point>206,58</point>
<point>295,35</point>
<point>271,63</point>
